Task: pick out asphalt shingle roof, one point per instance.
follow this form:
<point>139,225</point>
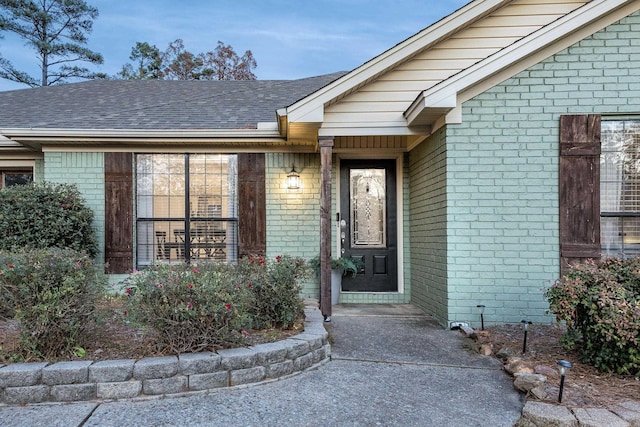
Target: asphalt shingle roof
<point>158,104</point>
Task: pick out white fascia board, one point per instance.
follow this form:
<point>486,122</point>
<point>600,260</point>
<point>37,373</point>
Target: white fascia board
<point>442,92</point>
<point>444,103</point>
<point>9,143</point>
<point>307,107</point>
<point>269,133</point>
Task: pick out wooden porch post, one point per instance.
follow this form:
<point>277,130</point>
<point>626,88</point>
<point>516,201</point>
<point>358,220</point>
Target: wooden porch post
<point>326,150</point>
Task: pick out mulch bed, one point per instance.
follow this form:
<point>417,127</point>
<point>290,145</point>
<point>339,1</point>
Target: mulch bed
<point>584,384</point>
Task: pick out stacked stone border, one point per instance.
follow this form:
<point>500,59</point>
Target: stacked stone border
<point>25,383</point>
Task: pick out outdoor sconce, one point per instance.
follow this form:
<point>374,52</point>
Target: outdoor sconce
<point>565,365</point>
<point>481,307</point>
<point>293,179</point>
<point>525,325</point>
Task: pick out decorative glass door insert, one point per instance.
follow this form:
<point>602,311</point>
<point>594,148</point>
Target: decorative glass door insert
<point>368,225</point>
<point>368,208</point>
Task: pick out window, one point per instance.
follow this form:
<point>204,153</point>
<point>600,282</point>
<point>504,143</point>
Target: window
<point>15,177</point>
<point>620,188</point>
<point>187,207</point>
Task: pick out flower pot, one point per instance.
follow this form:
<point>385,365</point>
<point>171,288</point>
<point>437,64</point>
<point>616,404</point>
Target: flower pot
<point>336,285</point>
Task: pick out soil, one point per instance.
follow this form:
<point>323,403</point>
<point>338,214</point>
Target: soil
<point>113,337</point>
<point>585,386</point>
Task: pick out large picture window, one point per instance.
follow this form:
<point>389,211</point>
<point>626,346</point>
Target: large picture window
<point>187,207</point>
<point>620,188</point>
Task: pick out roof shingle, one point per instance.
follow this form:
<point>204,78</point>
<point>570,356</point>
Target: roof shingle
<point>158,104</point>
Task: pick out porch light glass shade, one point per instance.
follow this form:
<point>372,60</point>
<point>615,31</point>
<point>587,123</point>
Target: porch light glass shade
<point>293,179</point>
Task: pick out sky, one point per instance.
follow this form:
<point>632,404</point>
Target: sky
<point>289,39</point>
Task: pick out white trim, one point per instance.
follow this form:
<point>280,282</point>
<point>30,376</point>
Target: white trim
<point>313,104</point>
<point>88,135</point>
<point>10,164</point>
<point>399,209</point>
<point>445,95</point>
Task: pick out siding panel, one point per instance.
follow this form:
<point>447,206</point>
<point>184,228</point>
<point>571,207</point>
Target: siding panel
<point>501,29</point>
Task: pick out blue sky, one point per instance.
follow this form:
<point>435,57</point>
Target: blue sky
<point>289,39</point>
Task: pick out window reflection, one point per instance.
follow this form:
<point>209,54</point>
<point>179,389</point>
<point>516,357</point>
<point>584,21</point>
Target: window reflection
<point>186,207</point>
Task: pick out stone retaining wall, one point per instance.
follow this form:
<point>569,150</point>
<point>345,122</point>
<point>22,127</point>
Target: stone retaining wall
<point>23,383</point>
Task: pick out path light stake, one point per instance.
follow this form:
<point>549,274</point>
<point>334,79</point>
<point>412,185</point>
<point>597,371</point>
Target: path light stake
<point>481,307</point>
<point>525,324</point>
<point>565,365</point>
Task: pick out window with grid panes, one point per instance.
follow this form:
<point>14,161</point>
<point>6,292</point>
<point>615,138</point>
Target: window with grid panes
<point>620,188</point>
<point>186,208</point>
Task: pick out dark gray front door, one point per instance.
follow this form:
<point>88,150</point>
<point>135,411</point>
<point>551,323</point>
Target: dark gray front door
<point>368,224</point>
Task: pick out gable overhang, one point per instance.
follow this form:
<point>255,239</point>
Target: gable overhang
<point>441,103</point>
<point>308,113</point>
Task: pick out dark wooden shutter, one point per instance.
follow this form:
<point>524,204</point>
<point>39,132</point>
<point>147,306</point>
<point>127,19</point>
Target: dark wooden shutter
<point>579,189</point>
<point>252,214</point>
<point>118,242</point>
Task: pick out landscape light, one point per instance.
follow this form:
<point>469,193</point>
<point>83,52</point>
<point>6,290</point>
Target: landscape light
<point>481,307</point>
<point>525,325</point>
<point>565,365</point>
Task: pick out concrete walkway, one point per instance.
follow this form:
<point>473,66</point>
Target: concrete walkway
<point>391,366</point>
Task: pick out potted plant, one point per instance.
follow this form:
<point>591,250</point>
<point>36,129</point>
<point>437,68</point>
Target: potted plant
<point>340,267</point>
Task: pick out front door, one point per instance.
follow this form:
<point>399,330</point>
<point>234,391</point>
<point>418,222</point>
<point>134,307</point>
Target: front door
<point>368,224</point>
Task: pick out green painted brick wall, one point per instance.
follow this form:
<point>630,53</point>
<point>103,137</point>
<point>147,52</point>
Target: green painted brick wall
<point>293,220</point>
<point>502,173</point>
<point>86,171</point>
<point>428,209</point>
<point>293,216</point>
<point>38,170</point>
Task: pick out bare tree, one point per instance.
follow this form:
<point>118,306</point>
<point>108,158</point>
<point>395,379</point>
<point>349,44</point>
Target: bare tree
<point>177,63</point>
<point>225,64</point>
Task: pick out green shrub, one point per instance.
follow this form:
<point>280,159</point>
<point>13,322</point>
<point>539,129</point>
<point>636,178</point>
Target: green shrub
<point>600,303</point>
<point>54,293</point>
<point>275,285</point>
<point>41,215</point>
<point>191,308</point>
<point>213,305</point>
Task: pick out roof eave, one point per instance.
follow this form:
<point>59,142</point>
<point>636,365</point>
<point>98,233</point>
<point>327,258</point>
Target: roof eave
<point>440,99</point>
<point>57,135</point>
<point>311,105</point>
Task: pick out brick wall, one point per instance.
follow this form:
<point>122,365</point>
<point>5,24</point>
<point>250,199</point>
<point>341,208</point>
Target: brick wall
<point>293,216</point>
<point>428,249</point>
<point>86,171</point>
<point>502,167</point>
